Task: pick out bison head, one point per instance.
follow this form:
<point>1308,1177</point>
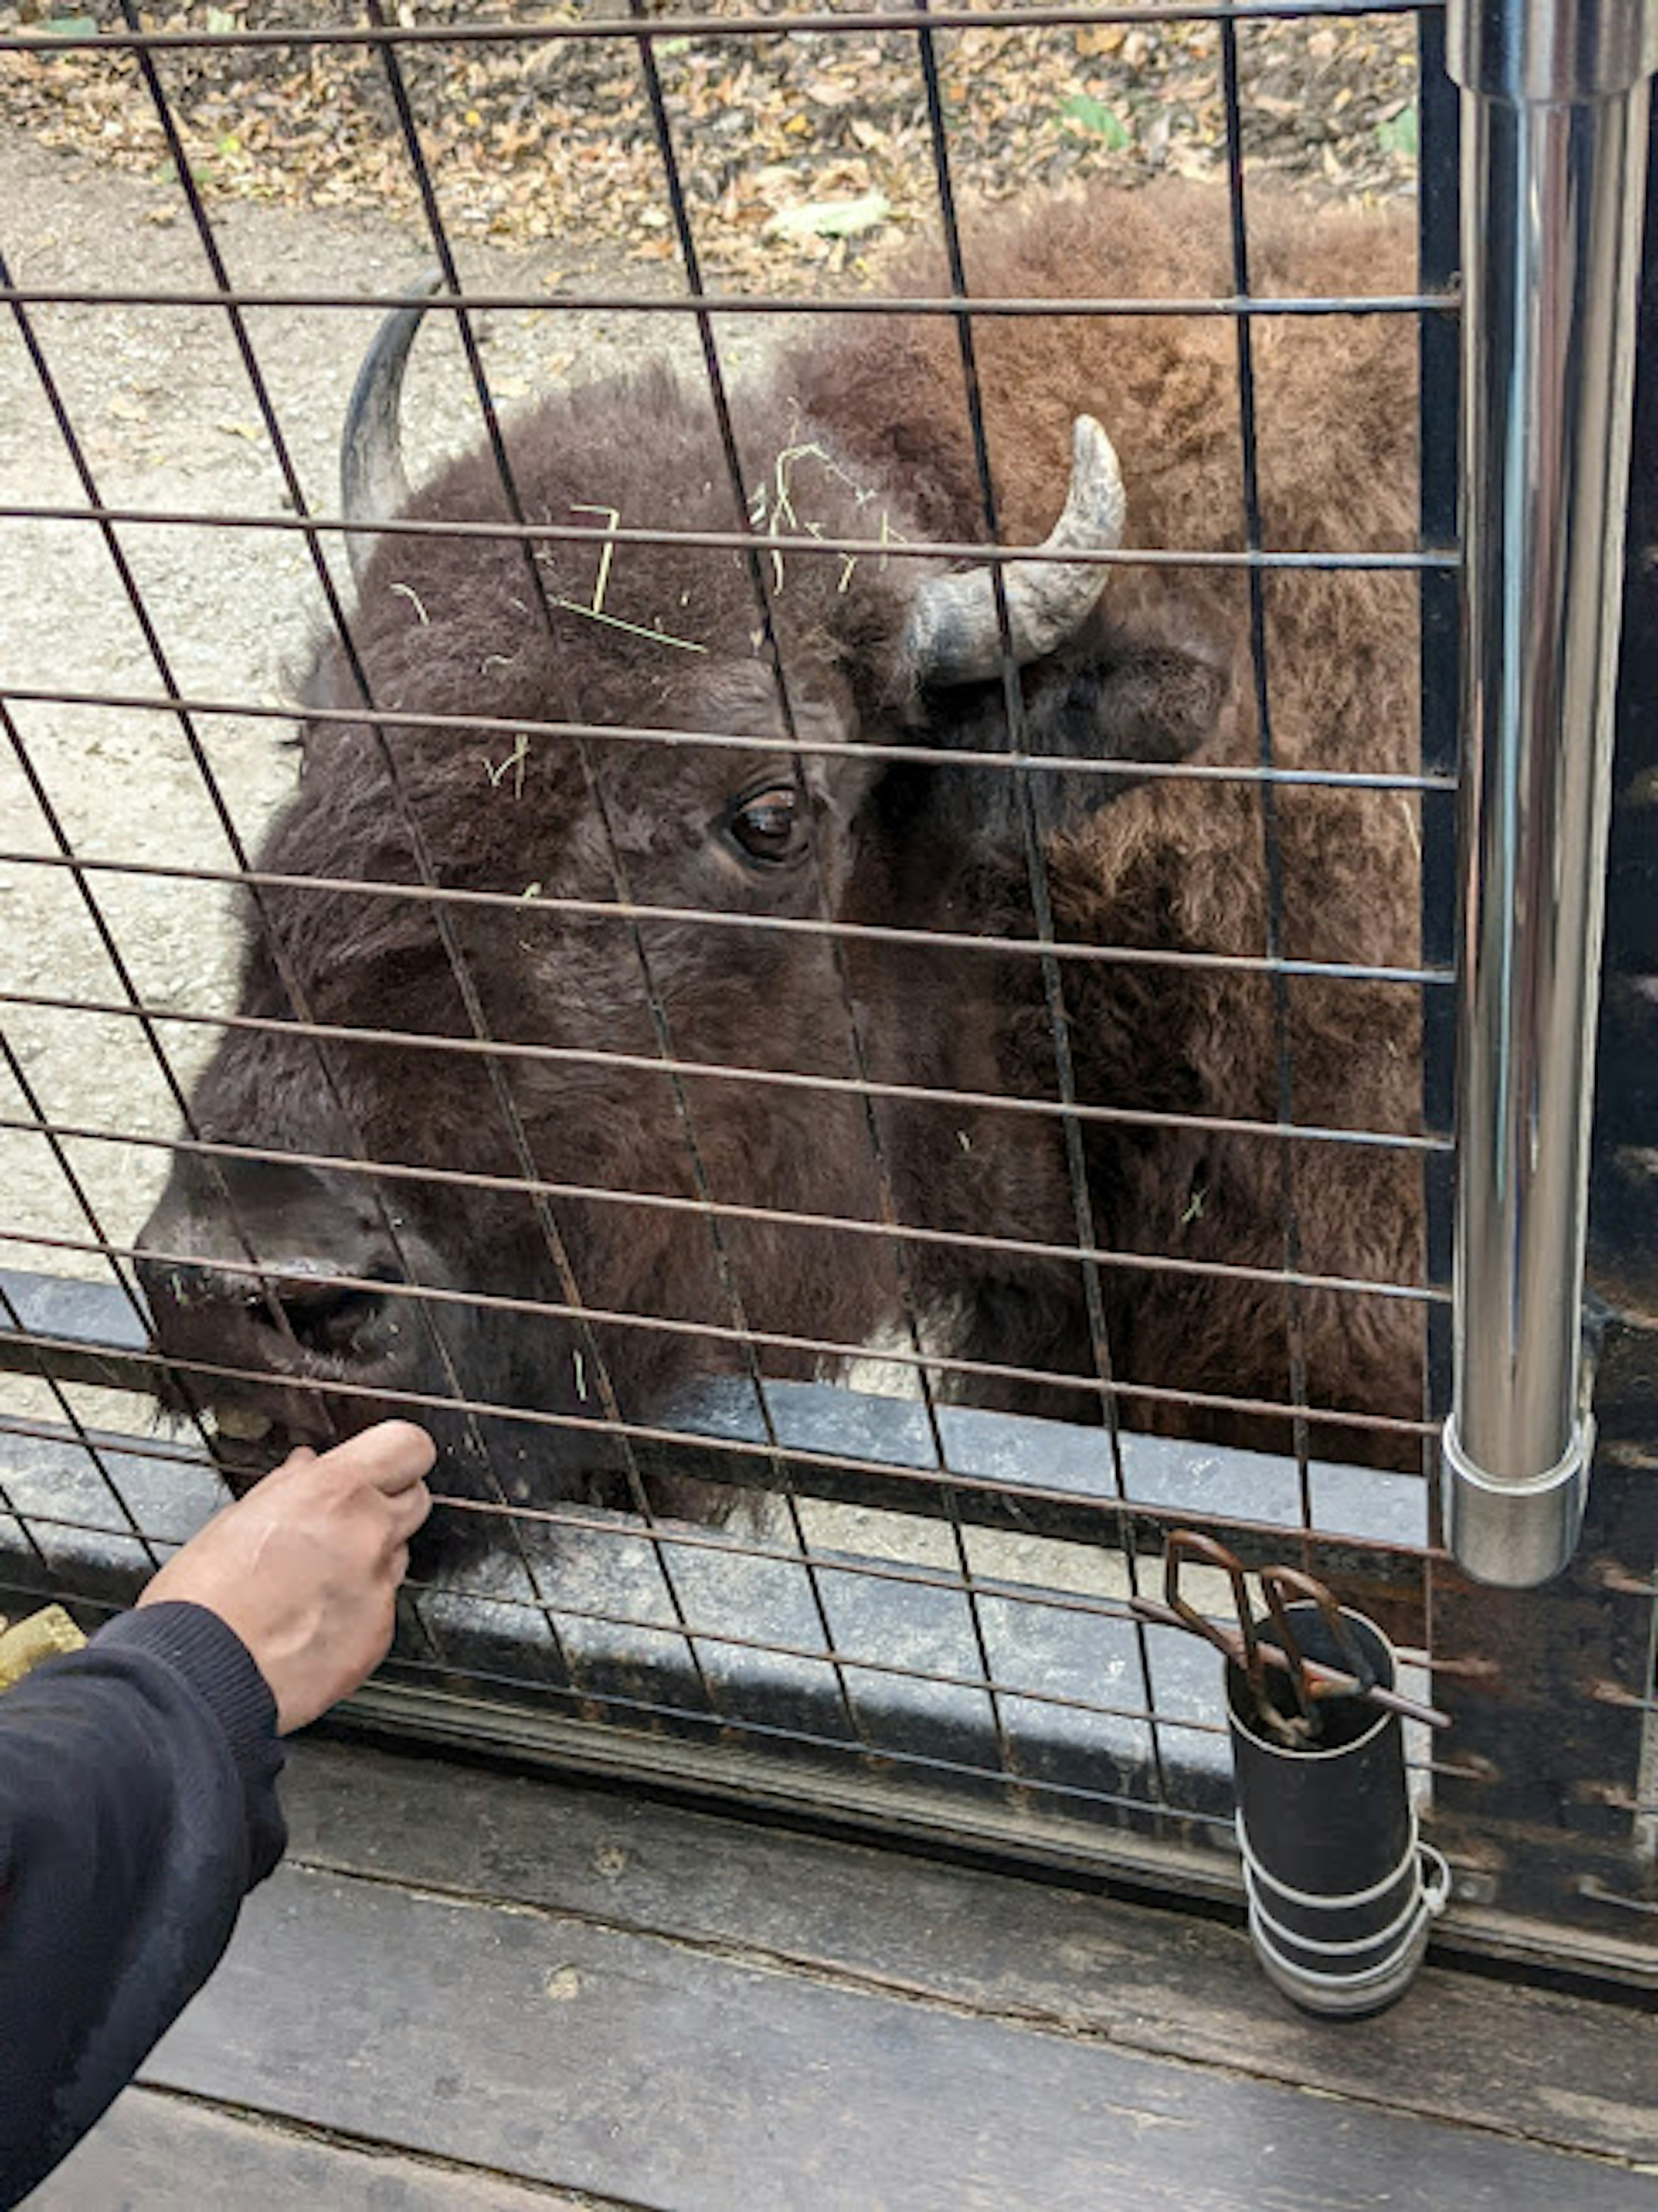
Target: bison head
<point>552,1081</point>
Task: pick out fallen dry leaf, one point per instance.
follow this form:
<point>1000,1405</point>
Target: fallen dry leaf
<point>552,138</point>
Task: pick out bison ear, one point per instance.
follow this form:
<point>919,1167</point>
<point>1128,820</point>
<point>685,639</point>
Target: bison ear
<point>1109,698</point>
<point>1154,703</point>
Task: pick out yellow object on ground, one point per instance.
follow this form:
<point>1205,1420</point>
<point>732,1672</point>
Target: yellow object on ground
<point>44,1634</point>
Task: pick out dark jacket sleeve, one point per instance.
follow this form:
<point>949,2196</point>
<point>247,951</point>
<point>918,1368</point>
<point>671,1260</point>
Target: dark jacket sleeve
<point>137,1807</point>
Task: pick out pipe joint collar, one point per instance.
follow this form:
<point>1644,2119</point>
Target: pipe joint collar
<point>1515,1534</point>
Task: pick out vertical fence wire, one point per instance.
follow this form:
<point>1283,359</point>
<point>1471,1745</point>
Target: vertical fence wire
<point>296,497</point>
<point>910,1317</point>
<point>1272,850</point>
<point>1035,865</point>
<point>159,658</point>
<point>410,131</point>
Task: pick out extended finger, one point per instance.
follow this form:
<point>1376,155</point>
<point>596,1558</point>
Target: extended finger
<point>407,1509</point>
<point>394,1456</point>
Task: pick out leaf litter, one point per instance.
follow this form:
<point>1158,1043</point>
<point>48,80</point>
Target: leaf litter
<point>800,152</point>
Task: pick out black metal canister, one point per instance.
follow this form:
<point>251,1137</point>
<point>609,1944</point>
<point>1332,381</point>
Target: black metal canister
<point>1339,1908</point>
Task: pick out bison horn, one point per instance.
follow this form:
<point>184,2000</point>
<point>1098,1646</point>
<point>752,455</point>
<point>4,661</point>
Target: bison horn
<point>374,484</point>
<point>953,634</point>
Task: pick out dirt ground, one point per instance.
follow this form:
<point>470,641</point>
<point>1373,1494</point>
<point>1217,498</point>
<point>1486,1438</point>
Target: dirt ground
<point>167,420</point>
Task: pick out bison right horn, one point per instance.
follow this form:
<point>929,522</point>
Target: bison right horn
<point>953,634</point>
<point>373,482</point>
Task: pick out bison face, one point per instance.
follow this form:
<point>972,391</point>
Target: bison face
<point>574,866</point>
<point>543,1092</point>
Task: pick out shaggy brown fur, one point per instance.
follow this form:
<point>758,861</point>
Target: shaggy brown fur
<point>866,421</point>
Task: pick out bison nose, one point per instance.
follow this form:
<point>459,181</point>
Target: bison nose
<point>328,1317</point>
<point>244,1269</point>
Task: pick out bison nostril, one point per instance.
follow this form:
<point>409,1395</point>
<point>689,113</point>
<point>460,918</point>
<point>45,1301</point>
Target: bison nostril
<point>329,1317</point>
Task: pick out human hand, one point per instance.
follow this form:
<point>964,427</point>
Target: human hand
<point>306,1568</point>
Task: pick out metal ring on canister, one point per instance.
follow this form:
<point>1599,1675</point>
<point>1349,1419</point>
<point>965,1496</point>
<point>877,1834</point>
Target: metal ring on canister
<point>1339,1908</point>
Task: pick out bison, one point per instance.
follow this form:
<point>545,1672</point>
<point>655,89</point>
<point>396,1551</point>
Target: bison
<point>710,1137</point>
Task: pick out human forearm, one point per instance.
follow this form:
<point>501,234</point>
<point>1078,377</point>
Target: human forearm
<point>138,1806</point>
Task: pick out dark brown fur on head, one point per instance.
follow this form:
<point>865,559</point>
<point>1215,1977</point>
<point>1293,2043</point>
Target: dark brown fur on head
<point>865,430</point>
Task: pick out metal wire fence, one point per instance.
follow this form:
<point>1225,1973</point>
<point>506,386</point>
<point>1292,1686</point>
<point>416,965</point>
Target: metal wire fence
<point>815,1373</point>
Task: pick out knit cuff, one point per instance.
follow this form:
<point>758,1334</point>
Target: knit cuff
<point>219,1667</point>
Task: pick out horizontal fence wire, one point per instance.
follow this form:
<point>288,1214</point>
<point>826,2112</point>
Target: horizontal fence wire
<point>958,1499</point>
<point>1175,306</point>
<point>921,1480</point>
<point>901,1232</point>
<point>888,549</point>
<point>819,1347</point>
<point>853,1659</point>
<point>618,1708</point>
<point>862,1664</point>
<point>1130,1117</point>
<point>705,24</point>
<point>788,924</point>
<point>385,718</point>
<point>619,1531</point>
<point>731,1545</point>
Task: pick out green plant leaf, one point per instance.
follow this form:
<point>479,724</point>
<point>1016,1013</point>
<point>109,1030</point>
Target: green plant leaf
<point>1397,135</point>
<point>1093,116</point>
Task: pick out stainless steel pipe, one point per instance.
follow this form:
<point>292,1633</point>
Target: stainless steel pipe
<point>1554,133</point>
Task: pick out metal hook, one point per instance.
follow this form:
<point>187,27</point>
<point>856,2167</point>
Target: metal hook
<point>1253,1656</point>
<point>1275,1581</point>
<point>1243,1650</point>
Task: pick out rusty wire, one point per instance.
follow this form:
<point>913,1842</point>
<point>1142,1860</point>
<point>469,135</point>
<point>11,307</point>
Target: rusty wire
<point>385,718</point>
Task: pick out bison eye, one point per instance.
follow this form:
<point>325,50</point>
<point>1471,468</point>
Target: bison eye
<point>765,825</point>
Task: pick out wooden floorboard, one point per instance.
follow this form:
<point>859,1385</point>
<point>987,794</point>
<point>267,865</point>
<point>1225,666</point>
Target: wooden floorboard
<point>636,2068</point>
<point>468,1989</point>
<point>159,2154</point>
<point>1547,2067</point>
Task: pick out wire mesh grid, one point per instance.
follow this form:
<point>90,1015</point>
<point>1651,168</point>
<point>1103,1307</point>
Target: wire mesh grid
<point>847,1147</point>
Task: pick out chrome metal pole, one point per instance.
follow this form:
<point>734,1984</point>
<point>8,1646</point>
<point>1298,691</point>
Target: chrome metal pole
<point>1554,122</point>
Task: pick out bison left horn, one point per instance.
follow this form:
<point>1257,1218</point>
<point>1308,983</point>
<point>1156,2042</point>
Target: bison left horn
<point>373,482</point>
<point>954,635</point>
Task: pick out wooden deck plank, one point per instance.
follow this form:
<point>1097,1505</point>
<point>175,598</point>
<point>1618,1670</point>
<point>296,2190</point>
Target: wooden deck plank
<point>153,2153</point>
<point>1546,2066</point>
<point>641,2069</point>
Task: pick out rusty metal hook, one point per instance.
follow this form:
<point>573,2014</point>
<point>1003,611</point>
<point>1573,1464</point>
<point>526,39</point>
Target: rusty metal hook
<point>1243,1650</point>
<point>1308,1687</point>
<point>1253,1655</point>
